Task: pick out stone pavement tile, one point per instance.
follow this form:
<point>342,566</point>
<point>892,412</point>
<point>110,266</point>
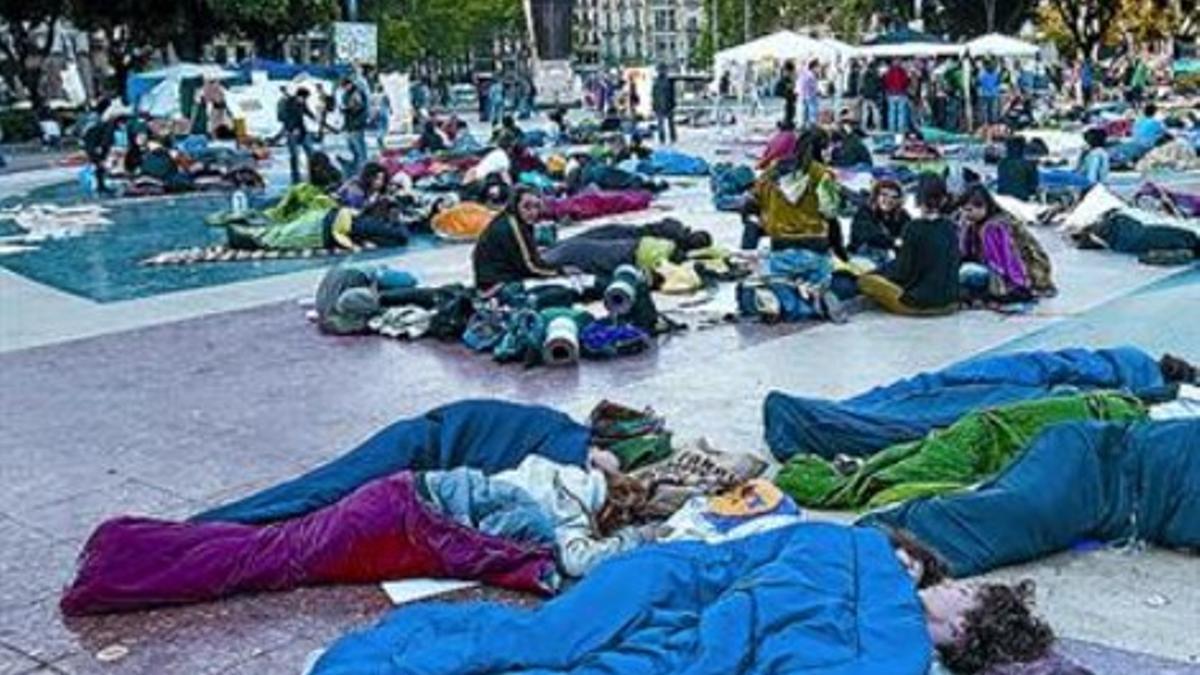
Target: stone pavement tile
<point>32,565</point>
<point>37,630</point>
<point>73,518</point>
<point>201,639</point>
<point>1104,660</point>
<point>323,614</point>
<point>13,663</point>
<point>288,658</point>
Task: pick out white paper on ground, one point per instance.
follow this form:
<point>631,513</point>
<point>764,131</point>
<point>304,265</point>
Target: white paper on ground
<point>411,590</point>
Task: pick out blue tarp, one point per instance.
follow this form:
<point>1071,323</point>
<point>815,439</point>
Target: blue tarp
<point>281,70</point>
<point>488,435</point>
<point>1078,481</point>
<point>672,163</point>
<point>810,598</point>
<point>908,409</point>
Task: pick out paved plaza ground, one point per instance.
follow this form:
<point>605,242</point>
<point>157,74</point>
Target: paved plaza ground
<point>171,400</point>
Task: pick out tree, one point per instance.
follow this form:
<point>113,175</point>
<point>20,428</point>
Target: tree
<point>269,22</point>
<point>28,29</point>
<point>134,28</point>
<point>962,18</point>
<point>1086,24</point>
<point>442,31</point>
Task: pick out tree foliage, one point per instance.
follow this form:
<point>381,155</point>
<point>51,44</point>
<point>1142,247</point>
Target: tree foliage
<point>1083,27</point>
<point>269,22</point>
<point>441,30</point>
<point>972,18</point>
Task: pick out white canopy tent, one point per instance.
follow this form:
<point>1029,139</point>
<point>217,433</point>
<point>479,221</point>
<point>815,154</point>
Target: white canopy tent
<point>782,46</point>
<point>910,50</point>
<point>842,49</point>
<point>996,44</point>
<point>163,99</point>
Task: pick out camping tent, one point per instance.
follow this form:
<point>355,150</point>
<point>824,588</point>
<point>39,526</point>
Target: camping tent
<point>142,84</point>
<point>842,49</point>
<point>782,46</point>
<point>995,44</point>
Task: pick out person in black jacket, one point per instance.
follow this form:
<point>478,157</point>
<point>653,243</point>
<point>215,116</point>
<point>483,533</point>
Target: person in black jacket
<point>507,249</point>
<point>292,113</point>
<point>1017,176</point>
<point>924,279</point>
<point>877,226</point>
<point>663,102</point>
<point>355,114</point>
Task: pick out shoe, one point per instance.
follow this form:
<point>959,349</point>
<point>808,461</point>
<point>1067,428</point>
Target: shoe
<point>830,305</point>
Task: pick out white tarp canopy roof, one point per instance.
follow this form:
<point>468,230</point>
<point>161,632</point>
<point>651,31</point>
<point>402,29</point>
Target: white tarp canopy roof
<point>162,100</point>
<point>782,46</point>
<point>995,44</point>
<point>910,49</point>
<point>842,49</point>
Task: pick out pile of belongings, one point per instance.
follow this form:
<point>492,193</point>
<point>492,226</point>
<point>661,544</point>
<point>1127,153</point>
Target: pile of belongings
<point>1102,220</point>
<point>797,286</point>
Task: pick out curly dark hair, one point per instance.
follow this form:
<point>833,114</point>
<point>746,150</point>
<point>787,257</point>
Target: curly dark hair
<point>1000,629</point>
<point>933,570</point>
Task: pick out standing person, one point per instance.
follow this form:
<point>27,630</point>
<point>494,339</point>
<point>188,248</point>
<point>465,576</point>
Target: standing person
<point>383,118</point>
<point>1139,79</point>
<point>924,279</point>
<point>895,86</point>
<point>989,93</point>
<point>1087,81</point>
<point>871,90</point>
<point>355,113</point>
<point>211,112</point>
<point>98,141</point>
<point>952,81</point>
<point>787,89</point>
<point>663,102</point>
<point>806,89</point>
<point>293,113</point>
<point>495,101</point>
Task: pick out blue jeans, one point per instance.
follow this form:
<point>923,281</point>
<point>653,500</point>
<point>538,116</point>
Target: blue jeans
<point>989,108</point>
<point>357,140</point>
<point>897,113</point>
<point>496,112</point>
<point>974,278</point>
<point>812,110</point>
<point>297,141</point>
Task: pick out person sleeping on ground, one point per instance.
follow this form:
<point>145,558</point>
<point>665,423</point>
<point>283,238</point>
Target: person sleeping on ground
<point>522,529</point>
<point>1002,261</point>
<point>584,171</point>
<point>601,250</point>
<point>805,598</point>
<point>972,449</point>
<point>923,280</point>
<point>1089,481</point>
<point>908,409</point>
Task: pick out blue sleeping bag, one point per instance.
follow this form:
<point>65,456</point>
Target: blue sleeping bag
<point>908,409</point>
<point>672,163</point>
<point>1077,481</point>
<point>488,435</point>
<point>810,598</point>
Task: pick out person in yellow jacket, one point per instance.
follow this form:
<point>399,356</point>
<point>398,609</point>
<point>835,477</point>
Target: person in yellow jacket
<point>795,202</point>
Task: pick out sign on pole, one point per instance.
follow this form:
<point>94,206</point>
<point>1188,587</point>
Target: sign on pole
<point>355,42</point>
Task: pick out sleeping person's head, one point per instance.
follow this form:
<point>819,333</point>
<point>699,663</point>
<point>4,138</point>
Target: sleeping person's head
<point>624,501</point>
<point>975,627</point>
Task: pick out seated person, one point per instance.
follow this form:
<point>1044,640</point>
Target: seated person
<point>924,278</point>
<point>796,202</point>
<point>781,145</point>
<point>848,147</point>
<point>1017,176</point>
<point>1004,262</point>
<point>507,249</point>
<point>601,250</point>
<point>432,139</point>
<point>366,189</point>
<point>322,173</point>
<point>1095,163</point>
<point>878,224</point>
<point>1018,112</point>
<point>349,296</point>
<point>508,134</point>
<point>1148,131</point>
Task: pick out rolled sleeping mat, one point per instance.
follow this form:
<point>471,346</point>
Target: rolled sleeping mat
<point>561,347</point>
<point>622,291</point>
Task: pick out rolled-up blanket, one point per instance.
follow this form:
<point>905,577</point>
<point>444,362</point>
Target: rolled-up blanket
<point>622,292</point>
<point>561,347</point>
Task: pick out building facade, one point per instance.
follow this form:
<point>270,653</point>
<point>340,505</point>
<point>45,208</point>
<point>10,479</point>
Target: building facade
<point>636,32</point>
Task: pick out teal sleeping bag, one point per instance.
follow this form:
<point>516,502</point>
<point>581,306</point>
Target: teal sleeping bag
<point>1077,481</point>
<point>809,598</point>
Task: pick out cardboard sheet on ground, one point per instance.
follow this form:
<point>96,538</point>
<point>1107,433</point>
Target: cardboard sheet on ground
<point>410,590</point>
